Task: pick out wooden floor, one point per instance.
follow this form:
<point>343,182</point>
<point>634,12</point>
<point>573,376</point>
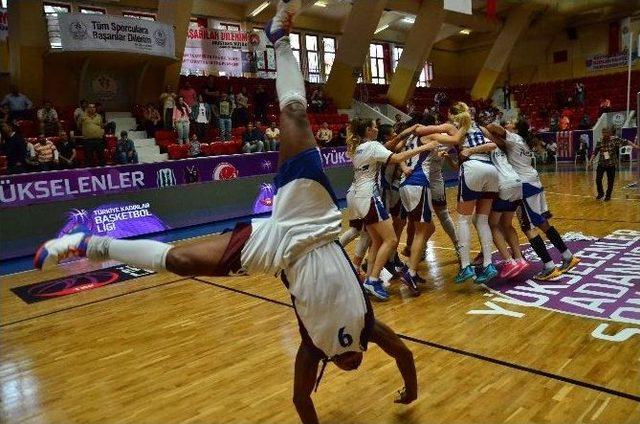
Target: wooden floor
<point>164,349</point>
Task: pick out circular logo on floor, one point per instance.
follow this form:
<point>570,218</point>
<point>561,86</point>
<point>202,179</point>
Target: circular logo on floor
<point>605,285</point>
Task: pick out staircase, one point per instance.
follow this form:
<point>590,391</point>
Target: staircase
<point>148,150</point>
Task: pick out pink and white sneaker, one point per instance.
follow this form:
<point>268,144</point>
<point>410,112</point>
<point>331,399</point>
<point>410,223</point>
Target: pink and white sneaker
<point>509,269</point>
<point>280,25</point>
<point>523,265</point>
<point>56,250</point>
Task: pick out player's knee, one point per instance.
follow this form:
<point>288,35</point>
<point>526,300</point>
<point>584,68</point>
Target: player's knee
<point>179,262</point>
<point>392,240</point>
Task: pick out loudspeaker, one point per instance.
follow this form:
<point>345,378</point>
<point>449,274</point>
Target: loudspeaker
<point>572,33</point>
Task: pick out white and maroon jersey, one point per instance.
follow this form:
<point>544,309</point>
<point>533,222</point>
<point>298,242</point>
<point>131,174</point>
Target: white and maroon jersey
<point>519,155</point>
<point>368,159</point>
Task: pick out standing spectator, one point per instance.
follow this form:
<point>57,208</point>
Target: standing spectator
<point>261,102</point>
<point>100,111</point>
<point>341,138</point>
<point>46,154</point>
<point>15,149</point>
<point>5,114</point>
<point>67,151</point>
<point>398,125</point>
<point>224,110</point>
<point>585,122</point>
<point>551,149</point>
<point>201,116</point>
<point>317,100</point>
<point>194,146</point>
<point>242,108</point>
<point>210,93</point>
<point>181,117</point>
<point>189,94</point>
<point>252,140</point>
<point>273,137</point>
<point>506,93</point>
<point>324,135</point>
<point>152,120</point>
<point>605,106</point>
<point>48,120</point>
<point>80,110</point>
<point>19,105</point>
<point>126,150</point>
<point>168,102</point>
<point>609,149</point>
<point>440,100</point>
<point>554,124</point>
<point>93,130</point>
<point>580,94</point>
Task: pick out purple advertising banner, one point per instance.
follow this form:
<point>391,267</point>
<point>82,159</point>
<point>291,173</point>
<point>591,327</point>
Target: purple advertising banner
<point>26,189</point>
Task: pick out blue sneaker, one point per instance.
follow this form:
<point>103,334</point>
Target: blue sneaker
<point>376,289</point>
<point>464,274</point>
<point>280,25</point>
<point>487,274</point>
<point>55,251</point>
<point>410,282</point>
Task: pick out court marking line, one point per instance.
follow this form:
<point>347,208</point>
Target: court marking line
<point>93,302</point>
<point>569,380</point>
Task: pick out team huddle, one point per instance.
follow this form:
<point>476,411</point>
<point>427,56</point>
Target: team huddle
<point>399,179</point>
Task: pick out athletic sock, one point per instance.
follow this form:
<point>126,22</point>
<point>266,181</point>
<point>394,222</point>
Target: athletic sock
<point>486,238</point>
<point>541,250</point>
<point>447,224</point>
<point>464,238</point>
<point>348,236</point>
<point>558,243</point>
<point>141,253</point>
<point>289,81</point>
<point>363,244</point>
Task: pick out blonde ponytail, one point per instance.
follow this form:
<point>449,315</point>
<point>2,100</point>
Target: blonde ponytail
<point>461,115</point>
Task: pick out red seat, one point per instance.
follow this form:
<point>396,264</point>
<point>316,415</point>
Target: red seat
<point>3,165</point>
<point>27,128</point>
<point>205,149</point>
<point>174,151</point>
<point>80,156</point>
<point>217,148</point>
<point>232,147</point>
<point>184,151</point>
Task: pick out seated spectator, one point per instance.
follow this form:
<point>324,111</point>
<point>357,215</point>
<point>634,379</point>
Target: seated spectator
<point>605,106</point>
<point>194,147</point>
<point>223,111</point>
<point>189,94</point>
<point>92,127</point>
<point>48,120</point>
<point>273,137</point>
<point>565,123</point>
<point>46,154</point>
<point>20,106</point>
<point>317,101</point>
<point>168,102</point>
<point>152,120</point>
<point>242,108</point>
<point>15,148</point>
<point>252,140</point>
<point>201,116</point>
<point>80,110</point>
<point>5,114</point>
<point>181,118</point>
<point>67,151</point>
<point>126,150</point>
<point>585,122</point>
<point>398,125</point>
<point>580,93</point>
<point>324,135</point>
<point>341,138</point>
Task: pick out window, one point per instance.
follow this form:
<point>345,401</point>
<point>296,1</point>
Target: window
<point>376,60</point>
<point>51,11</point>
<point>328,54</point>
<point>313,58</point>
<point>229,27</point>
<point>92,10</point>
<point>4,4</point>
<point>426,76</point>
<point>397,52</point>
<point>295,45</point>
<point>139,15</point>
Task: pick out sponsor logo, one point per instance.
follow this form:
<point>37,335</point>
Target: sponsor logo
<point>78,30</point>
<point>225,171</point>
<point>166,178</point>
<point>191,174</point>
<point>160,37</point>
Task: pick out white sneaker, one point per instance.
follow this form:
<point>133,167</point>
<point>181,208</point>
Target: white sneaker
<point>280,25</point>
<point>56,250</point>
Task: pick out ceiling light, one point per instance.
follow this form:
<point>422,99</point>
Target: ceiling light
<point>382,28</point>
<point>259,9</point>
<point>409,20</point>
<point>320,3</point>
<point>465,31</point>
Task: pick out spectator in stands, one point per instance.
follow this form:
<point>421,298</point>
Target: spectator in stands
<point>324,135</point>
<point>195,149</point>
<point>317,101</point>
<point>411,107</point>
<point>242,108</point>
<point>100,111</point>
<point>201,116</point>
<point>554,123</point>
<point>80,110</point>
<point>125,150</point>
<point>210,93</point>
<point>252,140</point>
<point>152,120</point>
<point>551,149</point>
<point>398,125</point>
<point>5,114</point>
<point>15,148</point>
<point>605,106</point>
<point>580,94</point>
<point>19,105</point>
<point>273,137</point>
<point>261,102</point>
<point>224,110</point>
<point>585,122</point>
<point>46,154</point>
<point>181,117</point>
<point>440,100</point>
<point>565,123</point>
<point>583,148</point>
<point>48,120</point>
<point>168,102</point>
<point>188,93</point>
<point>506,93</point>
<point>66,151</point>
<point>341,138</point>
<point>609,149</point>
<point>92,127</point>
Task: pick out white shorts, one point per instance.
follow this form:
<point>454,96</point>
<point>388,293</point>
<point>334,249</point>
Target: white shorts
<point>416,201</point>
<point>534,210</point>
<point>478,180</point>
<point>510,190</point>
<point>299,241</point>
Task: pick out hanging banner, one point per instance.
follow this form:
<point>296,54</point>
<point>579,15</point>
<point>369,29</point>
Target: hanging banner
<point>4,24</point>
<point>600,62</point>
<point>222,39</point>
<point>211,60</point>
<point>88,32</point>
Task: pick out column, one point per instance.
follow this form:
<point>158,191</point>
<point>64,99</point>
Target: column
<point>177,14</point>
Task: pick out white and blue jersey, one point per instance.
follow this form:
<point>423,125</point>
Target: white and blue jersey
<point>414,189</point>
<point>478,177</point>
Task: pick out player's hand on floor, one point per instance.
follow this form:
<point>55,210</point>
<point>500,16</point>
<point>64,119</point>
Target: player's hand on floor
<point>405,397</point>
